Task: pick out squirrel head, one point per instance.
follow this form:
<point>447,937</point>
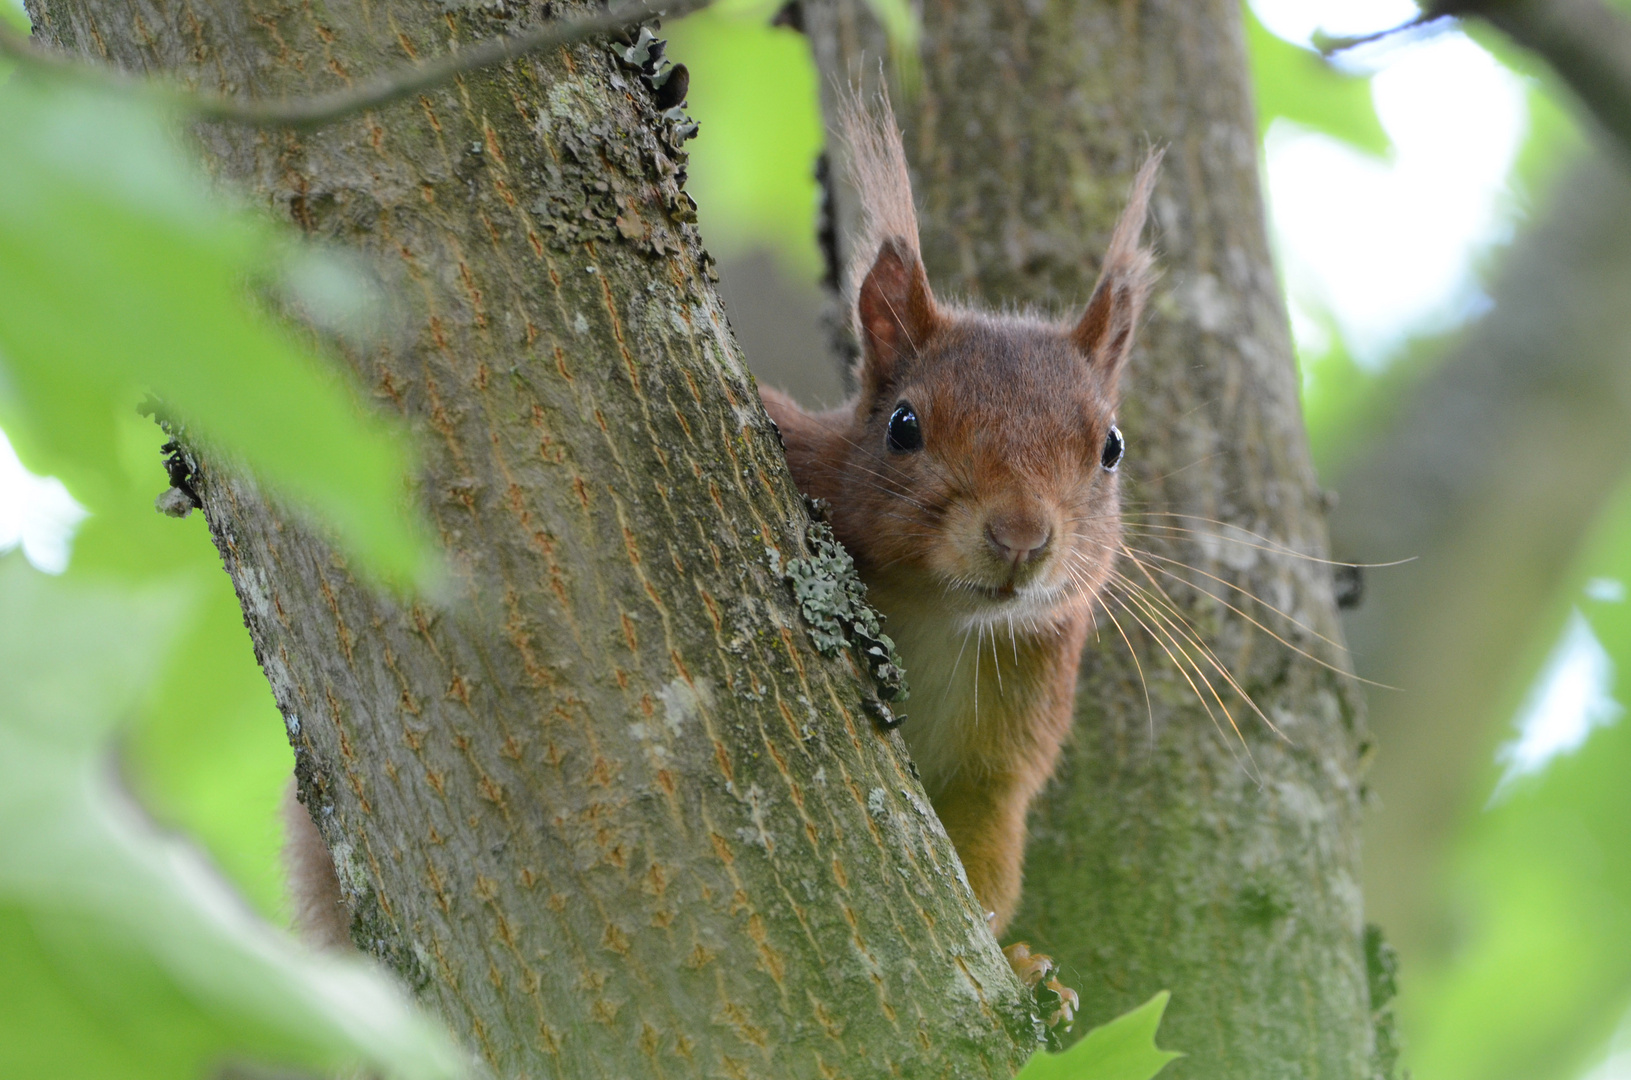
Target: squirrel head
<point>983,447</point>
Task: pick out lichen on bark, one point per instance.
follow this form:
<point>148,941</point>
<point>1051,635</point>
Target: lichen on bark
<point>832,599</point>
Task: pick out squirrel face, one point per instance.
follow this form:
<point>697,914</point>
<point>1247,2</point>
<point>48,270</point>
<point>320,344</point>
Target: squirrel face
<point>985,446</point>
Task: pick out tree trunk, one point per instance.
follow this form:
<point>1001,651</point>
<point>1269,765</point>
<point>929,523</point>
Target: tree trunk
<point>604,805</point>
<point>1170,852</point>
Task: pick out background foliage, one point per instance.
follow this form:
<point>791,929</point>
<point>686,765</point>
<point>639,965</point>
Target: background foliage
<point>129,677</point>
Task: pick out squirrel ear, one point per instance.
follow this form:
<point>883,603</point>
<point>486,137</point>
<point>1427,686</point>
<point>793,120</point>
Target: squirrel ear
<point>1105,334</point>
<point>896,311</point>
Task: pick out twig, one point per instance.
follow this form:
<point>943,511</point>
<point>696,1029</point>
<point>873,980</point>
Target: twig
<point>1329,45</point>
<point>321,109</point>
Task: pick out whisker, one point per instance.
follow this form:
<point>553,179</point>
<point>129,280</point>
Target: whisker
<point>1166,612</point>
<point>1206,650</point>
<point>898,321</point>
<point>1132,554</point>
<point>979,641</point>
<point>958,483</point>
<point>1167,533</point>
<point>901,495</point>
<point>955,664</point>
<point>1178,665</point>
<point>1268,544</point>
<point>996,661</point>
<point>1165,626</point>
<point>923,461</point>
<point>1238,588</point>
<point>1182,468</point>
<point>1142,681</point>
<point>1247,592</point>
<point>1130,603</point>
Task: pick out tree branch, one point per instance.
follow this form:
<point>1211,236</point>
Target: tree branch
<point>321,109</point>
<point>1586,43</point>
<point>1329,45</point>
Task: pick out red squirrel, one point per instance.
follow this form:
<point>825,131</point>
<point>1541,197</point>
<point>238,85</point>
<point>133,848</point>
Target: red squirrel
<point>973,480</point>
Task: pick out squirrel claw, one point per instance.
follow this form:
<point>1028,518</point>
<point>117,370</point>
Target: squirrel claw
<point>1063,1016</point>
<point>1055,1002</point>
<point>1032,968</point>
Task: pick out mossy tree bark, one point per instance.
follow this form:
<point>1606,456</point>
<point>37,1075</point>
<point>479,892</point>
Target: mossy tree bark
<point>605,806</point>
<point>1170,852</point>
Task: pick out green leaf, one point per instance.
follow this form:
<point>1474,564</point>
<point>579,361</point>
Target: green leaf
<point>205,750</point>
<point>123,272</point>
<point>1301,86</point>
<point>125,955</point>
<point>208,751</point>
<point>1345,405</point>
<point>1123,1049</point>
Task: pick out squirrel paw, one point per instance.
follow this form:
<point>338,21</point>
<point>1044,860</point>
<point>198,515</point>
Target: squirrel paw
<point>1055,1002</point>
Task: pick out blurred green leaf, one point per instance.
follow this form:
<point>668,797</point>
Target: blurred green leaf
<point>1297,84</point>
<point>1553,142</point>
<point>15,17</point>
<point>1540,883</point>
<point>125,955</point>
<point>752,168</point>
<point>1123,1049</point>
<point>207,750</point>
<point>1334,391</point>
<point>122,272</point>
<point>905,35</point>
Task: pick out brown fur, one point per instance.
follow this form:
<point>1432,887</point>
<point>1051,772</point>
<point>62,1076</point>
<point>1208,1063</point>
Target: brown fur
<point>320,915</point>
<point>987,548</point>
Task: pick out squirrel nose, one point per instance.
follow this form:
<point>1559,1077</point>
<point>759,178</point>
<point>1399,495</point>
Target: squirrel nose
<point>1017,538</point>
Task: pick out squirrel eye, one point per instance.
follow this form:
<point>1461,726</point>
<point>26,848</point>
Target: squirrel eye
<point>1114,447</point>
<point>904,434</point>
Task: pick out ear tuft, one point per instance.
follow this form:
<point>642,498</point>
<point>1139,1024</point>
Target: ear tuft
<point>888,292</point>
<point>1105,334</point>
<point>895,312</point>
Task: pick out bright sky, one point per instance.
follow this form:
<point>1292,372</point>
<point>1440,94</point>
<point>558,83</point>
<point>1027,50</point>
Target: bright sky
<point>1386,247</point>
<point>1570,698</point>
<point>1296,20</point>
<point>36,512</point>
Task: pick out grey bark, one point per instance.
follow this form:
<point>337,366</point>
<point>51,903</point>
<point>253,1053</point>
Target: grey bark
<point>1168,853</point>
<point>603,804</point>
